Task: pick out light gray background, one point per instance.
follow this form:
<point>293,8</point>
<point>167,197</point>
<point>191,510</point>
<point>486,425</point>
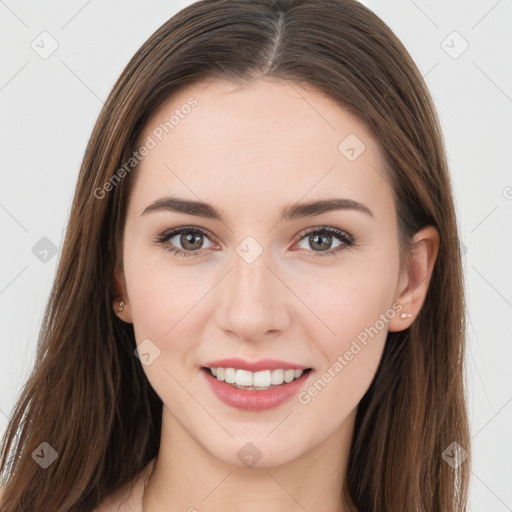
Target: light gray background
<point>48,108</point>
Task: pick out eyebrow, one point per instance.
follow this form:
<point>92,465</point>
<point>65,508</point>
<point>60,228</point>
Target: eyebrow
<point>288,213</point>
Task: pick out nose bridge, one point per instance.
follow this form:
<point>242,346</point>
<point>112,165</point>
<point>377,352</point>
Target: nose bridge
<point>252,299</point>
<point>250,279</point>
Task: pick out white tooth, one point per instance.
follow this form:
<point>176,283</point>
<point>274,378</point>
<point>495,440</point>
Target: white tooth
<point>230,376</point>
<point>262,379</point>
<point>289,375</point>
<point>277,377</point>
<point>243,378</point>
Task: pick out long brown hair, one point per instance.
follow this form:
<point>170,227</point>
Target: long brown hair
<point>88,397</point>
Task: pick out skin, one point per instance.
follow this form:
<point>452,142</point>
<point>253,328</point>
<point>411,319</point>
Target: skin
<point>250,150</point>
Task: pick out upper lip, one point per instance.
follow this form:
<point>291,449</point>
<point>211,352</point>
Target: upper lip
<point>254,366</point>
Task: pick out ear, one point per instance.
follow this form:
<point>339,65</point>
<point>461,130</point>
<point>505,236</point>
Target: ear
<point>414,280</point>
<point>121,303</point>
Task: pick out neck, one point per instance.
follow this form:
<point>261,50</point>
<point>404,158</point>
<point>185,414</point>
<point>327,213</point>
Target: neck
<point>187,477</point>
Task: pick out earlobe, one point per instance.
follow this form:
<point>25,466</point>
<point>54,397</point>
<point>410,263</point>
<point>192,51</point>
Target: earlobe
<point>120,304</point>
<point>122,310</point>
<point>415,280</point>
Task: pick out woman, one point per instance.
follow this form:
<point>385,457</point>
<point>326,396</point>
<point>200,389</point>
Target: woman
<point>259,301</point>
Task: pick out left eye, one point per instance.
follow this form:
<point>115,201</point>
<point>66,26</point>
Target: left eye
<point>322,237</point>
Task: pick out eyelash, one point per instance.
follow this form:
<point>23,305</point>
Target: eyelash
<point>344,237</point>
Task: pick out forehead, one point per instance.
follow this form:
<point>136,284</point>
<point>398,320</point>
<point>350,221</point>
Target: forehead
<point>257,144</point>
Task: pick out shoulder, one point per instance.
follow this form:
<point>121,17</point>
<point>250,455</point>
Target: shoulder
<point>109,504</point>
<point>123,499</point>
<point>128,497</point>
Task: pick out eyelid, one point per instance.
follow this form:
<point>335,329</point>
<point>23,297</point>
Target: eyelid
<point>328,229</point>
<point>171,233</point>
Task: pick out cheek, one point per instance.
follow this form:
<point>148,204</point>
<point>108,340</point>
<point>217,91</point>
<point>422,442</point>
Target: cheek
<point>355,309</point>
<point>160,293</point>
<point>351,356</point>
<point>164,306</point>
<point>351,301</point>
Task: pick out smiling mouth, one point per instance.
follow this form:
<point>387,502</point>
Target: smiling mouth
<point>255,381</point>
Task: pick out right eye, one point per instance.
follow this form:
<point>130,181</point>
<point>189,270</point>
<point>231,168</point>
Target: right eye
<point>190,239</point>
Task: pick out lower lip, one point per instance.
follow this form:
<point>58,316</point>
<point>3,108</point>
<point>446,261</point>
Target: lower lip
<point>254,400</point>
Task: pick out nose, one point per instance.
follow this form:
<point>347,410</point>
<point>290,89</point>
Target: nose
<point>253,300</point>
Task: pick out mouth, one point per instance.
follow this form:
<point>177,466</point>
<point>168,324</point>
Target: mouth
<point>255,391</point>
<point>262,380</point>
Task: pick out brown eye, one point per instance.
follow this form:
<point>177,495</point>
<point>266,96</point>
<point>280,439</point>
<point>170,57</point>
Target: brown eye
<point>184,241</point>
<point>320,241</point>
<point>190,241</point>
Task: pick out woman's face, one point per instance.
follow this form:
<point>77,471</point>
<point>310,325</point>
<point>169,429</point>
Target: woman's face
<point>253,283</point>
